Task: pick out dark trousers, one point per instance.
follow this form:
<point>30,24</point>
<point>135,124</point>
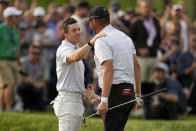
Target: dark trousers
<point>32,98</point>
<point>115,119</point>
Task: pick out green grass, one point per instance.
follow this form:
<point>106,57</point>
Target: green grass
<point>48,122</point>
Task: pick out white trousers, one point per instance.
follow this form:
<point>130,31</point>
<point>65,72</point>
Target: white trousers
<point>69,109</point>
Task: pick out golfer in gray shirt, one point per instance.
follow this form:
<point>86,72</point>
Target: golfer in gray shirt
<point>68,105</point>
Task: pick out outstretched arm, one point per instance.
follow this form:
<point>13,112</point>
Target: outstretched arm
<point>83,51</point>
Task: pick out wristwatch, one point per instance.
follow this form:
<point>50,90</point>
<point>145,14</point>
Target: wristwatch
<point>89,44</point>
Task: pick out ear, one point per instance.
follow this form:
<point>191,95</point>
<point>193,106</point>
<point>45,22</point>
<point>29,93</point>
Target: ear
<point>64,33</point>
<point>93,21</point>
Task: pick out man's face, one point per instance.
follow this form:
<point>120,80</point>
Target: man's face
<point>145,9</point>
<point>158,75</point>
<point>73,34</point>
<point>192,41</point>
<point>83,12</point>
<point>34,54</point>
<point>177,14</point>
<point>93,25</point>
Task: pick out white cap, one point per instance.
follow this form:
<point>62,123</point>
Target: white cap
<point>177,7</point>
<point>39,11</point>
<point>11,11</point>
<point>163,66</point>
<point>120,13</point>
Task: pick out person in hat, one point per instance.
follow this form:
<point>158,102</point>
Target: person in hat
<point>179,18</point>
<point>9,43</point>
<point>171,103</point>
<point>118,69</point>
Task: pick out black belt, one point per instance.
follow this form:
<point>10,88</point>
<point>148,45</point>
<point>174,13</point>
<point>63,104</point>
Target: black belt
<point>121,85</point>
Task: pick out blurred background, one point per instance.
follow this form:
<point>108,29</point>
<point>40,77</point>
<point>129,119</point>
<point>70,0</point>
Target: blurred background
<point>163,32</point>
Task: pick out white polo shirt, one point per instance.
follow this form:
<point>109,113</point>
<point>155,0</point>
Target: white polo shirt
<point>118,47</point>
<point>70,76</point>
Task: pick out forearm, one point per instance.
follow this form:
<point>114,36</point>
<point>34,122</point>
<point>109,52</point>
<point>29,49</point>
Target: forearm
<point>169,97</point>
<point>137,77</point>
<point>165,56</point>
<point>107,83</point>
<point>79,54</point>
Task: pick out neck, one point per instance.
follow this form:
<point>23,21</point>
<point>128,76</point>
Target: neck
<point>100,28</point>
<point>162,80</point>
<point>70,41</point>
<point>176,21</point>
<point>146,17</point>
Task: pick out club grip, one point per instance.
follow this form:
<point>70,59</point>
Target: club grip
<point>154,93</point>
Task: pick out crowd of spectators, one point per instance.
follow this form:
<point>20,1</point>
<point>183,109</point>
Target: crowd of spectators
<point>165,44</point>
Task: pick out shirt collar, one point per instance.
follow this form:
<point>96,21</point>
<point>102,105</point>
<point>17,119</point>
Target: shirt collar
<point>65,42</point>
<point>108,27</point>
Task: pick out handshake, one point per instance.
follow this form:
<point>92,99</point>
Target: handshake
<point>93,98</point>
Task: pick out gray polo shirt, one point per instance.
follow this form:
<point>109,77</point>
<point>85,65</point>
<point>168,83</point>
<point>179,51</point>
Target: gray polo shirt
<point>118,47</point>
<point>70,75</point>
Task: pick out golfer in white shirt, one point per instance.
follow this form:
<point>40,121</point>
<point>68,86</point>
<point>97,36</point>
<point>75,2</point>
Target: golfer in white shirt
<point>68,105</point>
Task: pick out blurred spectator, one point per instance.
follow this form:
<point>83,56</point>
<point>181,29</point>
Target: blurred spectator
<point>9,42</point>
<point>170,48</point>
<point>145,32</point>
<point>35,75</point>
<point>171,104</point>
<point>80,14</point>
<point>68,12</point>
<point>46,37</point>
<point>20,5</point>
<point>127,18</point>
<point>3,6</point>
<point>177,18</point>
<point>52,17</point>
<point>39,13</point>
<point>29,20</point>
<point>187,71</point>
<point>43,35</point>
<point>116,15</point>
<point>24,41</point>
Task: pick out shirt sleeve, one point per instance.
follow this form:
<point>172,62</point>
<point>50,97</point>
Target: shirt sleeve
<point>132,46</point>
<point>62,55</point>
<point>102,51</point>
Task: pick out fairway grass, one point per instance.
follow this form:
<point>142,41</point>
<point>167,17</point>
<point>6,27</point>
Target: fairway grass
<point>48,122</point>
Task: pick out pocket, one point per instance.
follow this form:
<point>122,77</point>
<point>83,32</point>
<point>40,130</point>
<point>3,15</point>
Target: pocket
<point>56,107</point>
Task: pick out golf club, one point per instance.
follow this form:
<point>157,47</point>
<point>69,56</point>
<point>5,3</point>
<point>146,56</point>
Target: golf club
<point>144,96</point>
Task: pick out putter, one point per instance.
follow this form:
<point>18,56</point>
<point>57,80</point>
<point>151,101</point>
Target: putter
<point>128,102</point>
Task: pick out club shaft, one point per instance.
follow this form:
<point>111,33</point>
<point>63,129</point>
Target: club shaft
<point>144,96</point>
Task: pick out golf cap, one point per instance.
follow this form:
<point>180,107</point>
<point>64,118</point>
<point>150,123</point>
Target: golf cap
<point>39,11</point>
<point>177,7</point>
<point>98,12</point>
<point>11,11</point>
<point>162,66</point>
<point>115,6</point>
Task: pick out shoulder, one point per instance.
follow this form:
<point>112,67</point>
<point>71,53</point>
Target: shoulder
<point>137,20</point>
<point>63,49</point>
<point>173,82</point>
<point>186,55</point>
<point>3,27</point>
